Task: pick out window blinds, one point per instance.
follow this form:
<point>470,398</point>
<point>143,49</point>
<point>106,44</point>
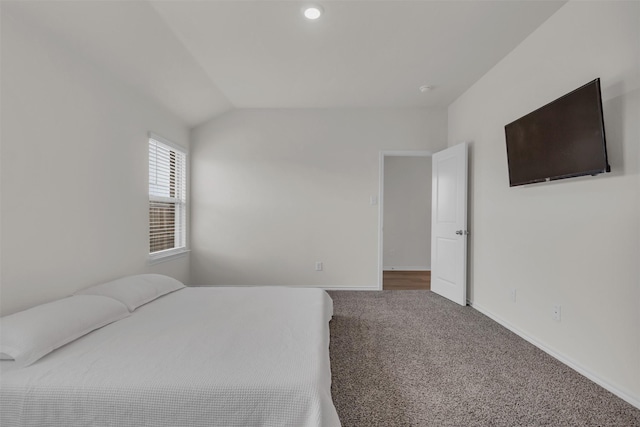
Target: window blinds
<point>167,197</point>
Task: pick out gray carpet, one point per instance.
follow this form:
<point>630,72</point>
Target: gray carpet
<point>412,358</point>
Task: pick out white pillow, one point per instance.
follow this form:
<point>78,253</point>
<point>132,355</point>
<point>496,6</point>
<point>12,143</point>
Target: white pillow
<point>28,335</point>
<point>134,291</point>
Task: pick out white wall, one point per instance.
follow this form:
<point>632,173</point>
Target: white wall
<point>74,171</point>
<point>573,242</point>
<point>274,191</point>
<point>407,213</point>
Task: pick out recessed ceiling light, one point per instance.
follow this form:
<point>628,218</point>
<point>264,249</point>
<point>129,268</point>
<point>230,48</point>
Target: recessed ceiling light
<point>312,12</point>
<point>425,88</point>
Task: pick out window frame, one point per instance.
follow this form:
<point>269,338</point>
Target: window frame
<point>175,252</point>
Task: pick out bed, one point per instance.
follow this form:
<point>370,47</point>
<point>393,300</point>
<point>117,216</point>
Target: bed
<point>194,357</point>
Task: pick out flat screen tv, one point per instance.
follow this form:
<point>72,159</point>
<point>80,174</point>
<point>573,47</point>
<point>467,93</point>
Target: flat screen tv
<point>562,139</point>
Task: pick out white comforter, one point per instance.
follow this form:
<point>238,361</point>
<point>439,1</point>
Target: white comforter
<point>196,357</point>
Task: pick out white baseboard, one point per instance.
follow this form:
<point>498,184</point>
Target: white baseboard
<point>562,358</point>
<point>350,288</point>
<point>396,268</point>
<point>326,288</point>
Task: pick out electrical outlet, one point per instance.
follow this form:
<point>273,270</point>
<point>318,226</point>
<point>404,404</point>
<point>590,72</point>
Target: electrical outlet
<point>318,265</point>
<point>513,295</point>
<point>557,311</point>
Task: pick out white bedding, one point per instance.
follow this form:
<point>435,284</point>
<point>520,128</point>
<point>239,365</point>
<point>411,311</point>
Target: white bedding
<point>196,357</point>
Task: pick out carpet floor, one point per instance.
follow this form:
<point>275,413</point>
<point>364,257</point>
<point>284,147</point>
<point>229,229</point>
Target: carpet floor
<point>413,358</point>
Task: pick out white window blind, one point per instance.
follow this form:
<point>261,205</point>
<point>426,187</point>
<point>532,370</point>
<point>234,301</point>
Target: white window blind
<point>167,197</point>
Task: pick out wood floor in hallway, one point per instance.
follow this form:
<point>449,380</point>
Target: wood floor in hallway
<point>406,280</point>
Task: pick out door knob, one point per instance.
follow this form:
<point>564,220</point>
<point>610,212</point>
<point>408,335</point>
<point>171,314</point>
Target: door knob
<point>461,232</point>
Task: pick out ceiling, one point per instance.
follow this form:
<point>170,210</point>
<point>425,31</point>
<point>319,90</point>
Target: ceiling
<point>202,58</point>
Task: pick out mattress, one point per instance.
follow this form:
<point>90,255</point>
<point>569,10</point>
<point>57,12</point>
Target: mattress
<point>196,357</point>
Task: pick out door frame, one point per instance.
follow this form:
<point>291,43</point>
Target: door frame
<point>382,155</point>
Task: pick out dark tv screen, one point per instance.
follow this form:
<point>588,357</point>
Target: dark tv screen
<point>562,139</point>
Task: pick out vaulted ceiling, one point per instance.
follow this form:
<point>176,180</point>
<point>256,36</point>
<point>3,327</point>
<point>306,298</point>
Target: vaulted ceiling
<point>202,58</point>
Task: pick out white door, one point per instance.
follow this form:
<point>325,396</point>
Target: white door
<point>449,224</point>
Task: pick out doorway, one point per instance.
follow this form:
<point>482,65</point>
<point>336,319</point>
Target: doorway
<point>405,220</point>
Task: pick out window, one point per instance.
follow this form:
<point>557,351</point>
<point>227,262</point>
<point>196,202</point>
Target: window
<point>167,198</point>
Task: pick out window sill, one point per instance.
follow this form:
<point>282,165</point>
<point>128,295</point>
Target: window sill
<point>168,255</point>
